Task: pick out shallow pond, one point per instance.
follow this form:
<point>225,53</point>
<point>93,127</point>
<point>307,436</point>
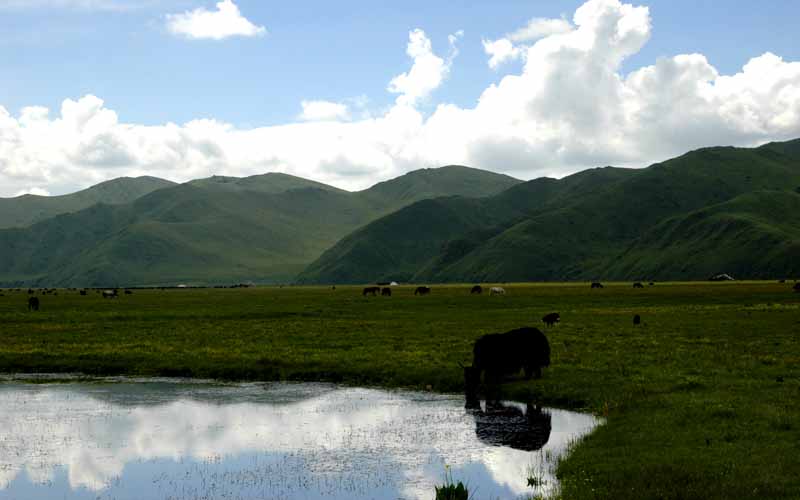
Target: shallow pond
<point>175,440</point>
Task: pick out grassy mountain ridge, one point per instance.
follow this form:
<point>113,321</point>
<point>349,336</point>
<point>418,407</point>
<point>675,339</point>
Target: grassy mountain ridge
<point>582,226</point>
<point>755,235</point>
<point>28,209</point>
<point>219,230</point>
<point>272,182</point>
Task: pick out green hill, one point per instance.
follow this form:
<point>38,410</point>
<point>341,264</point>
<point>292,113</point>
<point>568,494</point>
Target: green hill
<point>28,209</point>
<point>273,182</point>
<point>432,182</point>
<point>594,225</point>
<point>755,235</point>
<point>219,230</point>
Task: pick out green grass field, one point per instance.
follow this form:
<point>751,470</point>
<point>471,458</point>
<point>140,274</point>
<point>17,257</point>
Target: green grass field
<point>702,400</point>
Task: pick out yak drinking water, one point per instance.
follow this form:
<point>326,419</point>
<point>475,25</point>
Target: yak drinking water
<point>500,354</point>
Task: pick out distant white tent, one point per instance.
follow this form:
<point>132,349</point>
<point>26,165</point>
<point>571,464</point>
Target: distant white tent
<point>393,283</point>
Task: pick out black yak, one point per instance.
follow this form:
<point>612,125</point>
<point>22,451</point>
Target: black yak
<point>638,285</point>
<point>501,354</point>
<point>637,320</point>
<point>386,292</point>
<point>597,284</point>
<point>551,319</point>
<point>33,304</point>
<point>371,290</point>
<point>422,290</point>
<point>477,289</point>
<point>797,287</point>
<point>82,292</point>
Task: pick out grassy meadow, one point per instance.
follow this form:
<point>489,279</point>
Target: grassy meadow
<point>702,399</point>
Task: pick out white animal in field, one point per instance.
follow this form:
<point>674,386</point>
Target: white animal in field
<point>496,290</point>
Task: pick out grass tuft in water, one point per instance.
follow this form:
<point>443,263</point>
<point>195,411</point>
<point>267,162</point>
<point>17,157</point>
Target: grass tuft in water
<point>450,490</point>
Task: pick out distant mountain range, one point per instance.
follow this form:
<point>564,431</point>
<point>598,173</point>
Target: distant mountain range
<point>709,211</point>
<point>264,229</point>
<point>28,209</point>
<point>714,210</point>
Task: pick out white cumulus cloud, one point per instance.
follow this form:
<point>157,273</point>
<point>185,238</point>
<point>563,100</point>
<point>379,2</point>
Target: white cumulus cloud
<point>34,191</point>
<point>224,22</point>
<point>570,107</point>
<point>323,111</point>
<point>501,50</point>
<point>539,27</point>
<point>426,74</point>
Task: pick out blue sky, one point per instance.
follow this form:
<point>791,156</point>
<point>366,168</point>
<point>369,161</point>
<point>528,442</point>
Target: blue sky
<point>318,50</point>
<point>347,52</point>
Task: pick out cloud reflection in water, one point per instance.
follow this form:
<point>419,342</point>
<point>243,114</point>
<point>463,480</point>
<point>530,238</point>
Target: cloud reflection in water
<point>172,440</point>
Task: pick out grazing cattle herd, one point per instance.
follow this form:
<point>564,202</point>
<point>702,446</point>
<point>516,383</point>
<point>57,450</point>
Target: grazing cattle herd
<point>371,290</point>
<point>495,355</point>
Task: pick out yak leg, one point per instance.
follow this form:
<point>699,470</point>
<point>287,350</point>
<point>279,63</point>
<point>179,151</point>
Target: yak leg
<point>533,371</point>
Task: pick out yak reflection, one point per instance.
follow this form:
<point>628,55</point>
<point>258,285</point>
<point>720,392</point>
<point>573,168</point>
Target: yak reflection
<point>508,425</point>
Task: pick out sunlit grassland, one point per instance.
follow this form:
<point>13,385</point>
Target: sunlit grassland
<point>702,400</point>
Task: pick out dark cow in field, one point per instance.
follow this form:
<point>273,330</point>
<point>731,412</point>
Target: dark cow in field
<point>371,290</point>
<point>422,290</point>
<point>638,285</point>
<point>386,292</point>
<point>110,294</point>
<point>507,425</point>
<point>499,354</point>
<point>796,287</point>
<point>551,319</point>
<point>82,292</point>
<point>637,320</point>
<point>597,284</point>
<point>477,289</point>
<point>33,304</point>
<point>128,292</point>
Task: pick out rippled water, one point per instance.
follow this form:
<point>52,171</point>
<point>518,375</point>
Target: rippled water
<point>172,440</point>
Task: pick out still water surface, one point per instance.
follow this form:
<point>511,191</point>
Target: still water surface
<point>164,439</point>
